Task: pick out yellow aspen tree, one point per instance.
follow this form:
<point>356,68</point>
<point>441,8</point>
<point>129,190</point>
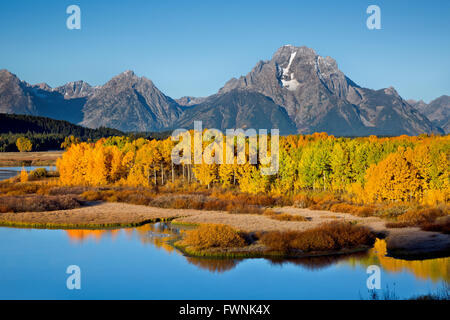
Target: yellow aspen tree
<point>72,166</point>
<point>23,144</point>
<point>395,178</point>
<point>226,174</point>
<point>252,181</point>
<point>165,149</point>
<point>97,170</point>
<point>23,175</point>
<point>205,173</point>
<point>117,168</point>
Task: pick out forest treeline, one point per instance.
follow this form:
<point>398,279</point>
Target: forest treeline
<point>48,134</point>
<point>367,170</point>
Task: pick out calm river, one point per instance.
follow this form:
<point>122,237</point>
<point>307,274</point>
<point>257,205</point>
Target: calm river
<point>138,263</point>
<point>9,172</point>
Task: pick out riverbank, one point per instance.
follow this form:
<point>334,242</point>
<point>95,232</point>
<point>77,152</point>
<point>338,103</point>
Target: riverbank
<point>18,159</point>
<point>407,243</point>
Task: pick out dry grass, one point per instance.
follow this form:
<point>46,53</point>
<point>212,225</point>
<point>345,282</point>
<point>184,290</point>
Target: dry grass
<point>18,189</point>
<point>283,216</point>
<point>95,216</point>
<point>198,201</point>
<point>403,214</point>
<point>332,202</point>
<point>326,237</point>
<point>17,159</point>
<point>357,210</point>
<point>209,236</point>
<point>261,200</point>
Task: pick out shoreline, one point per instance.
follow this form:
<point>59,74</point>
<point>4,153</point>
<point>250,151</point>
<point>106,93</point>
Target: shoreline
<point>245,253</point>
<point>36,158</point>
<point>403,243</point>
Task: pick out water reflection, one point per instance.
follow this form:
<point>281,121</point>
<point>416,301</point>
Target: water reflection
<point>214,265</point>
<point>318,263</point>
<point>9,172</point>
<point>159,234</point>
<point>80,236</point>
<point>434,269</point>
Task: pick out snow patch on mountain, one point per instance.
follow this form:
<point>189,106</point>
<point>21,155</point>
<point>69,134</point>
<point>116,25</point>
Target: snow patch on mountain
<point>287,79</point>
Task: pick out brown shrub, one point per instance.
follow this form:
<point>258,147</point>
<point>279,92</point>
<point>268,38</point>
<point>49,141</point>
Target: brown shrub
<point>421,216</point>
<point>214,236</point>
<point>360,211</point>
<point>303,201</point>
<point>92,195</point>
<point>328,236</point>
<point>279,241</point>
<point>37,203</point>
<point>261,200</point>
<point>18,189</point>
<point>393,210</point>
<point>55,191</point>
<point>441,224</point>
<point>197,200</point>
<point>397,225</point>
<point>437,227</point>
<point>138,197</point>
<point>215,204</point>
<point>38,173</point>
<point>178,201</point>
<point>239,207</point>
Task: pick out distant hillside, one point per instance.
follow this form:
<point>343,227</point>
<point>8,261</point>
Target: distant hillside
<point>48,134</point>
<point>44,133</point>
<point>12,123</point>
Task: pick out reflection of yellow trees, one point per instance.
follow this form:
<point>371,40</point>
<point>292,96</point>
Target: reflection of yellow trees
<point>434,269</point>
<point>213,265</point>
<point>156,234</point>
<point>82,235</point>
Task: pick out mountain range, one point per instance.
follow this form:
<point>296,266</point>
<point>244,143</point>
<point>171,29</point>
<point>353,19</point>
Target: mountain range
<point>297,91</point>
<point>438,111</point>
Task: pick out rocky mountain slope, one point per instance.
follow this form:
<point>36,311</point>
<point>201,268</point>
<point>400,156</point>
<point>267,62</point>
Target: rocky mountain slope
<point>130,103</point>
<point>438,111</point>
<point>19,97</point>
<point>319,97</point>
<point>296,91</point>
<point>238,109</point>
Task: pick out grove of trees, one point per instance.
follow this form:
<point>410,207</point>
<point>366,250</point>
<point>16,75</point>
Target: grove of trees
<point>370,169</point>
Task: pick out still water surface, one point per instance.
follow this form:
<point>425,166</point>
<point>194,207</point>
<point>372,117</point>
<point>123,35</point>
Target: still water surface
<point>9,172</point>
<point>138,263</point>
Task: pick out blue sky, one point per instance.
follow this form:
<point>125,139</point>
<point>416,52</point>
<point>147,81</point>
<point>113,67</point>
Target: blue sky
<point>193,47</point>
